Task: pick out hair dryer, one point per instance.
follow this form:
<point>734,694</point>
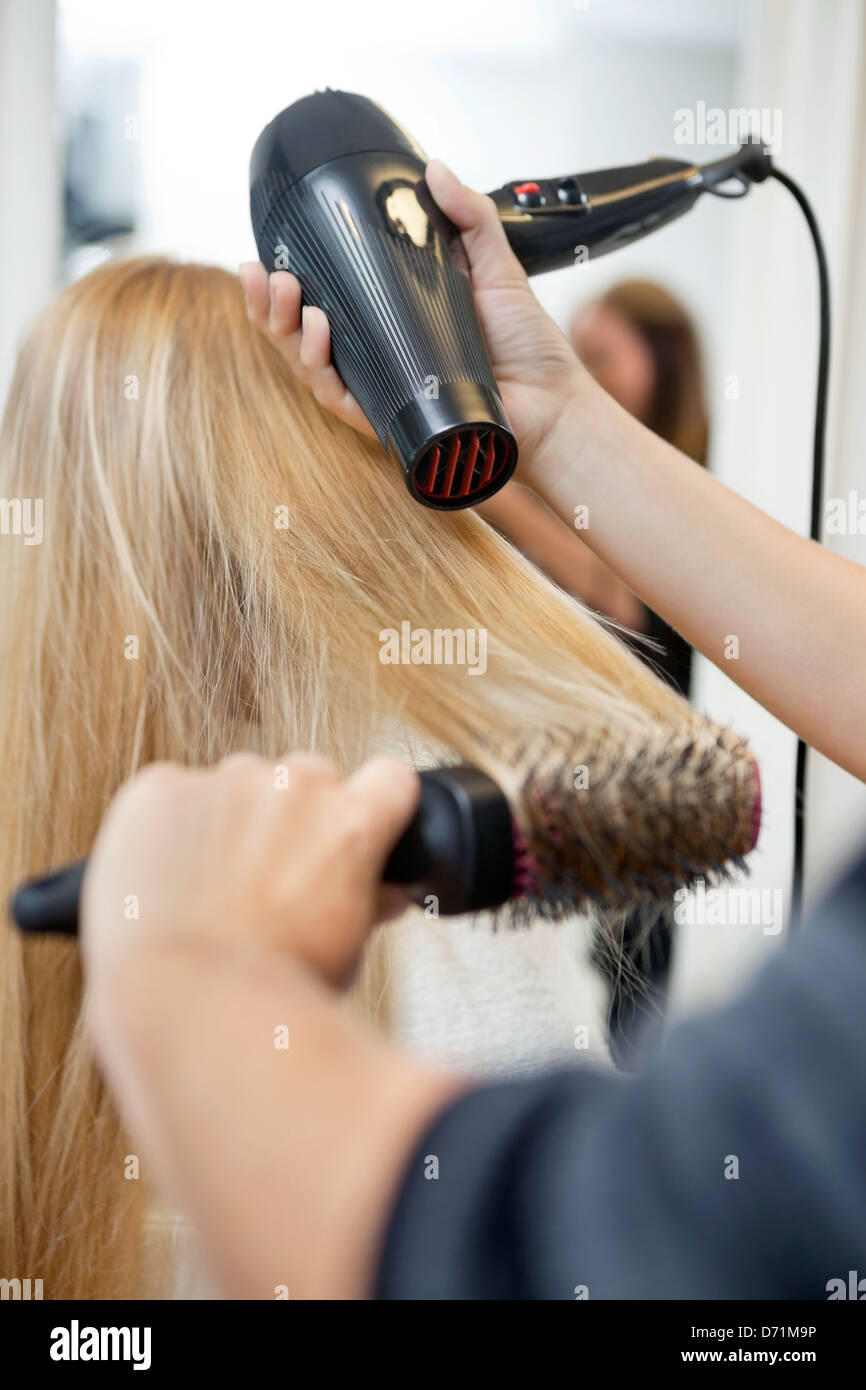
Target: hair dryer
<point>338,197</point>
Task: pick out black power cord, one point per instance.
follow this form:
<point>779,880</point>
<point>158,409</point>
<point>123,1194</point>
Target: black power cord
<point>817,507</point>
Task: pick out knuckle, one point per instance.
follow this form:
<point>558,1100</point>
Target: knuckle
<point>156,777</point>
<point>310,767</point>
<point>149,790</point>
<point>239,762</point>
<point>388,765</point>
<point>354,830</point>
<point>488,212</point>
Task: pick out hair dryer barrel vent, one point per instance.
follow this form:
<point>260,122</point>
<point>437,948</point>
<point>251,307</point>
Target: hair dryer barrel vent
<point>337,196</point>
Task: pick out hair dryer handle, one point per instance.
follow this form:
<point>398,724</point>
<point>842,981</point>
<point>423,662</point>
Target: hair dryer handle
<point>551,223</point>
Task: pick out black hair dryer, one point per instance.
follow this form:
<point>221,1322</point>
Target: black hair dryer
<point>338,197</point>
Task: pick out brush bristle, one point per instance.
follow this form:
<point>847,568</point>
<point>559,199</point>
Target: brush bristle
<point>608,827</point>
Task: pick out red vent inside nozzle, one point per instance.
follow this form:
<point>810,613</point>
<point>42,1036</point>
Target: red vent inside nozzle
<point>461,466</point>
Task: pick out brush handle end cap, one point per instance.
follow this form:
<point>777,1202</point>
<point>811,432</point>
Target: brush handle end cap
<point>50,903</point>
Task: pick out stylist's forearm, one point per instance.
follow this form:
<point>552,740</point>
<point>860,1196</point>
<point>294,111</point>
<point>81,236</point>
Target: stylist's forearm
<point>264,1112</point>
<point>783,617</point>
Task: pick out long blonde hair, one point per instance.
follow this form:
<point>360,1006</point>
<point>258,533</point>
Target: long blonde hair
<point>219,560</point>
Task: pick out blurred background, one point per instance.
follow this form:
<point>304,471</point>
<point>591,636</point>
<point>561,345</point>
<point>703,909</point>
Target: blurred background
<point>127,127</point>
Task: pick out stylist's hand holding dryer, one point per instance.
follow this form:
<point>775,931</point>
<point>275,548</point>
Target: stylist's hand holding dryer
<point>710,563</point>
<point>303,1166</point>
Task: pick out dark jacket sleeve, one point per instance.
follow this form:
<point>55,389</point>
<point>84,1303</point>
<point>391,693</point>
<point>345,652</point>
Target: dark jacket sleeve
<point>734,1166</point>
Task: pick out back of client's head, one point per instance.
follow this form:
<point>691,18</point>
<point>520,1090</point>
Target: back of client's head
<point>221,562</point>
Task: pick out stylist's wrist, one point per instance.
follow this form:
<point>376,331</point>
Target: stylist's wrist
<point>340,1113</point>
<point>565,422</point>
<point>590,441</point>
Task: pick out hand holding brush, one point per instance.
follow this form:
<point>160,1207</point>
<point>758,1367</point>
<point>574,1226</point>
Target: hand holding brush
<point>684,805</point>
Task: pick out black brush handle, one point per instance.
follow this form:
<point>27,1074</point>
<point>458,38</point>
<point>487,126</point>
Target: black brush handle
<point>50,903</point>
<point>457,855</point>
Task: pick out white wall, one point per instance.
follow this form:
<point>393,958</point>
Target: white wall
<point>29,186</point>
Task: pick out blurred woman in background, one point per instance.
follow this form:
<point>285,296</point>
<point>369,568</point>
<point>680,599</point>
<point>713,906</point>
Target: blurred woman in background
<point>640,344</point>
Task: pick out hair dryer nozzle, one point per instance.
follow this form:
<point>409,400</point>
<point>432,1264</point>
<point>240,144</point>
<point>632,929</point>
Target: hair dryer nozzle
<point>456,447</point>
<point>338,197</point>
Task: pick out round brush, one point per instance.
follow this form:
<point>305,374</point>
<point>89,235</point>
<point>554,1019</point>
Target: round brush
<point>605,825</point>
